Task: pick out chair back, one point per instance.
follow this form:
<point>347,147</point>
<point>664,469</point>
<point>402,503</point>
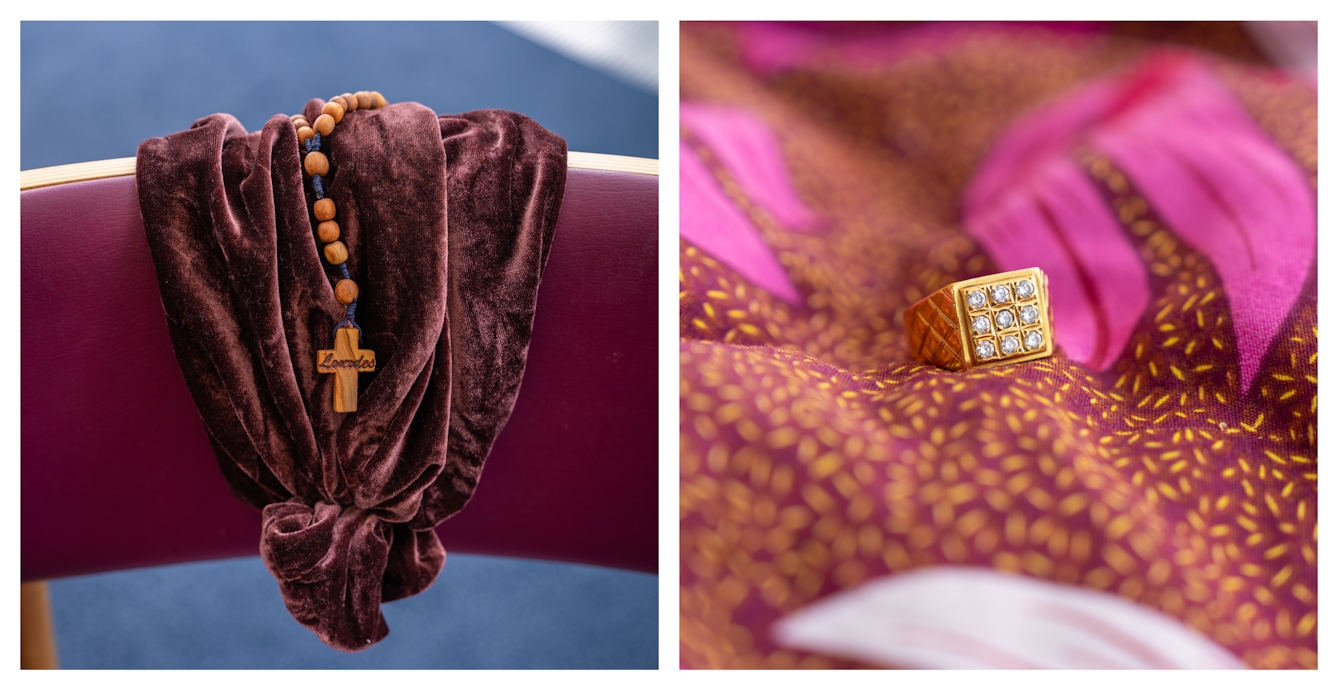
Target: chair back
<point>116,468</point>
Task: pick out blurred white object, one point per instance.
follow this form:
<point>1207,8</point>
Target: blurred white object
<point>629,51</point>
<point>976,618</point>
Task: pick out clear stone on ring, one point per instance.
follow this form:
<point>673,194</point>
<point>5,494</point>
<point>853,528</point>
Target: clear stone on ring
<point>1034,340</point>
<point>1004,319</point>
<point>1009,345</point>
<point>1030,314</point>
<point>1000,294</point>
<point>981,324</point>
<point>1025,289</point>
<point>976,299</point>
<point>985,350</point>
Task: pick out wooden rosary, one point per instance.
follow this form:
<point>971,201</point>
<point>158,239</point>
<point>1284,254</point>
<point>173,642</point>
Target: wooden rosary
<point>346,360</point>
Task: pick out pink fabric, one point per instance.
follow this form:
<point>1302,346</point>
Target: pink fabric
<point>1214,177</point>
<point>708,219</point>
<point>748,148</point>
<point>1052,217</point>
<point>818,460</point>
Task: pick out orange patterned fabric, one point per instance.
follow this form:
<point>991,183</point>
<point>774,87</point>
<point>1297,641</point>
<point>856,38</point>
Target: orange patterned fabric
<point>816,454</point>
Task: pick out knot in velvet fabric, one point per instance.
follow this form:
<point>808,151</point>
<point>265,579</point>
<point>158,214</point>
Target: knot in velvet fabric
<point>320,553</point>
<point>448,221</point>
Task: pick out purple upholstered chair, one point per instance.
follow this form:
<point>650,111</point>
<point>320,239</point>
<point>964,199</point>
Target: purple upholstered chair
<point>117,472</point>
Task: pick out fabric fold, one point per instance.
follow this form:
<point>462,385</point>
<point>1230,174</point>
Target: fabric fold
<point>447,298</point>
<point>321,556</point>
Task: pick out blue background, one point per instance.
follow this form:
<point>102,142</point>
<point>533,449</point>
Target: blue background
<point>96,90</point>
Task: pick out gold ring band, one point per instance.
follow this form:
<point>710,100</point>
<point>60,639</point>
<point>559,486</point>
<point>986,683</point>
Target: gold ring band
<point>992,320</point>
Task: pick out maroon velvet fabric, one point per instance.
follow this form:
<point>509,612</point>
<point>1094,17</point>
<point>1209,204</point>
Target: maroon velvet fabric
<point>447,296</point>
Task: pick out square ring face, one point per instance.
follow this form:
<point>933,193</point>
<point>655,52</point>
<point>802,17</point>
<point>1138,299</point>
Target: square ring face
<point>1004,318</point>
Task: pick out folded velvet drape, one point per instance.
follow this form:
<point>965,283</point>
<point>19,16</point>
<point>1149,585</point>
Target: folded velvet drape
<point>448,221</point>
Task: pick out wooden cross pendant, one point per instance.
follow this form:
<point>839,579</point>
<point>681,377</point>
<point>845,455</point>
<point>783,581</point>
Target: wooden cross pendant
<point>345,361</point>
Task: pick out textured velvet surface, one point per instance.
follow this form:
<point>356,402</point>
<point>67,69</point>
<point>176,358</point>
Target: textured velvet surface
<point>447,302</point>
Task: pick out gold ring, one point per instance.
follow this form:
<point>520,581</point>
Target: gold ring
<point>992,320</point>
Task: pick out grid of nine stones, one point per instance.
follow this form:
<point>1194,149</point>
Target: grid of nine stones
<point>991,309</point>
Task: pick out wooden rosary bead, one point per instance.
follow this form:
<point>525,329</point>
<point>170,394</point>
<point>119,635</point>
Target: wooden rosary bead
<point>334,110</point>
<point>324,124</point>
<point>336,253</point>
<point>346,291</point>
<point>316,163</point>
<point>328,231</point>
<point>324,209</point>
<point>346,350</point>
